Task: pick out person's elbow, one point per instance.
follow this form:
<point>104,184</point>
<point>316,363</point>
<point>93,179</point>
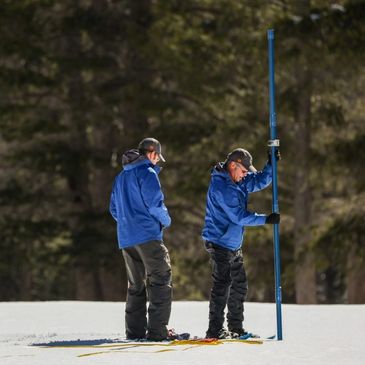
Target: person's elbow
<point>268,181</point>
<point>166,221</point>
<point>263,184</point>
<point>114,215</point>
<point>113,211</point>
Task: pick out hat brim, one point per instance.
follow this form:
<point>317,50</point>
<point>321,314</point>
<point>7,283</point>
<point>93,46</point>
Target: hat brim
<point>161,157</point>
<point>251,169</point>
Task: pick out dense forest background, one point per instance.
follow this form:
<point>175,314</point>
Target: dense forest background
<point>81,81</point>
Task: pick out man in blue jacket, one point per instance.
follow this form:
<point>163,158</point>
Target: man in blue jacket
<point>226,217</point>
<point>137,204</point>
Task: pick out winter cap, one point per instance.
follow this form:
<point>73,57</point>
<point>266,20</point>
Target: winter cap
<point>241,156</point>
<point>150,145</point>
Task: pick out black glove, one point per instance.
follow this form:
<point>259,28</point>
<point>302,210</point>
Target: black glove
<point>277,155</point>
<point>273,218</point>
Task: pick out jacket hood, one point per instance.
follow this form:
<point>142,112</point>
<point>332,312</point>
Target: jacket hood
<point>219,170</point>
<point>131,157</point>
<point>219,167</point>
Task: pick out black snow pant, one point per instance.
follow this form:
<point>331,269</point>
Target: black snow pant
<point>149,277</point>
<point>229,288</point>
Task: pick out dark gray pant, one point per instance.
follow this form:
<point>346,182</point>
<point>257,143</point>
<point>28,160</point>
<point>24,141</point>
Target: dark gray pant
<point>149,274</point>
<point>229,288</point>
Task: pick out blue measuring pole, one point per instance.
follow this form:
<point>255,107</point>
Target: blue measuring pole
<point>274,144</point>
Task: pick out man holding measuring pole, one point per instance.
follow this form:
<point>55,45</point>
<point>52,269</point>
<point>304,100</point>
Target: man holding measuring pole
<point>226,216</point>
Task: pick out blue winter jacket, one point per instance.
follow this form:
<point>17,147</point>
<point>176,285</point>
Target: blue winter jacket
<point>226,211</point>
<point>137,203</point>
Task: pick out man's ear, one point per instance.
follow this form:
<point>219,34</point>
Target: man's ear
<point>231,165</point>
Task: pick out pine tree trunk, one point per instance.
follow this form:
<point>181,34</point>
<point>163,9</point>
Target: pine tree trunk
<point>104,140</point>
<point>85,283</point>
<point>78,176</point>
<point>109,275</point>
<point>355,278</point>
<point>305,273</point>
<point>114,284</point>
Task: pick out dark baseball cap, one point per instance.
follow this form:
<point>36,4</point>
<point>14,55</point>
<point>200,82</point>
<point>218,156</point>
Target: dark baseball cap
<point>241,156</point>
<point>151,145</point>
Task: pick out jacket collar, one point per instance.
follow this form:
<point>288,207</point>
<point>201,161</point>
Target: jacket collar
<point>220,172</point>
<point>142,162</point>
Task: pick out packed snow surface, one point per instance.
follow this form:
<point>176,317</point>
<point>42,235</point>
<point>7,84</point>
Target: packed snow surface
<point>312,334</point>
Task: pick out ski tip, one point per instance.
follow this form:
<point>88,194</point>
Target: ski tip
<point>248,335</point>
<point>273,337</point>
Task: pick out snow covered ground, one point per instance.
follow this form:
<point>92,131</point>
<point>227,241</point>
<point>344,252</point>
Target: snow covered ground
<point>326,334</point>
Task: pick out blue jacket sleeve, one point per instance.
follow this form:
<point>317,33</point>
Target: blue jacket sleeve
<point>153,197</point>
<point>235,212</point>
<point>255,181</point>
<point>112,206</point>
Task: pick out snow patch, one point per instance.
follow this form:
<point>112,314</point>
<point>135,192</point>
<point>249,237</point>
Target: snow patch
<point>313,334</point>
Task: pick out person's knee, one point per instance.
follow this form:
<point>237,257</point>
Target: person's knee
<point>222,279</point>
<point>221,288</point>
<point>160,278</point>
<point>137,289</point>
<point>241,287</point>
